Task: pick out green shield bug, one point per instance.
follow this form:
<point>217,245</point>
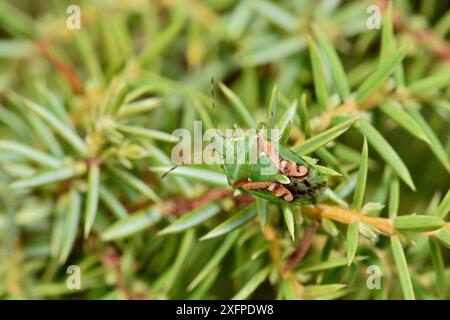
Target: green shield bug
<point>267,169</point>
<point>253,163</point>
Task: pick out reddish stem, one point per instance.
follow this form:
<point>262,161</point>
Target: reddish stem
<point>302,247</point>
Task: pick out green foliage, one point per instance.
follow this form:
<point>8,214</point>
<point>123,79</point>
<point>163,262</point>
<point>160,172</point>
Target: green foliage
<point>87,120</point>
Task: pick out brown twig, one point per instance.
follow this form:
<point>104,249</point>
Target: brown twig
<point>179,206</point>
<point>347,216</point>
<point>303,246</point>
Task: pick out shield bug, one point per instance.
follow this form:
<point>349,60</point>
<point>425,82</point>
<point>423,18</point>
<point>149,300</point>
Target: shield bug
<point>253,163</point>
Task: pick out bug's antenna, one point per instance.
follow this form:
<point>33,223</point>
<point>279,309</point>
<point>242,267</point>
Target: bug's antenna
<point>269,120</point>
<point>213,102</point>
<point>170,170</point>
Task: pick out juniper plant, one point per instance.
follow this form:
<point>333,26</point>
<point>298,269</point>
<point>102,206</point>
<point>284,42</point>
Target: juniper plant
<point>87,117</point>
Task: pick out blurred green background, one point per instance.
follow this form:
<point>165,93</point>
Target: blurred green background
<point>156,58</point>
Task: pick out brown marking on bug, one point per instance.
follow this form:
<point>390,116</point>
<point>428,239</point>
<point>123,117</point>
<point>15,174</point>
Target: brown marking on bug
<point>292,170</point>
<point>253,185</point>
<point>266,147</point>
<point>281,191</point>
<point>275,188</point>
<point>288,168</point>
